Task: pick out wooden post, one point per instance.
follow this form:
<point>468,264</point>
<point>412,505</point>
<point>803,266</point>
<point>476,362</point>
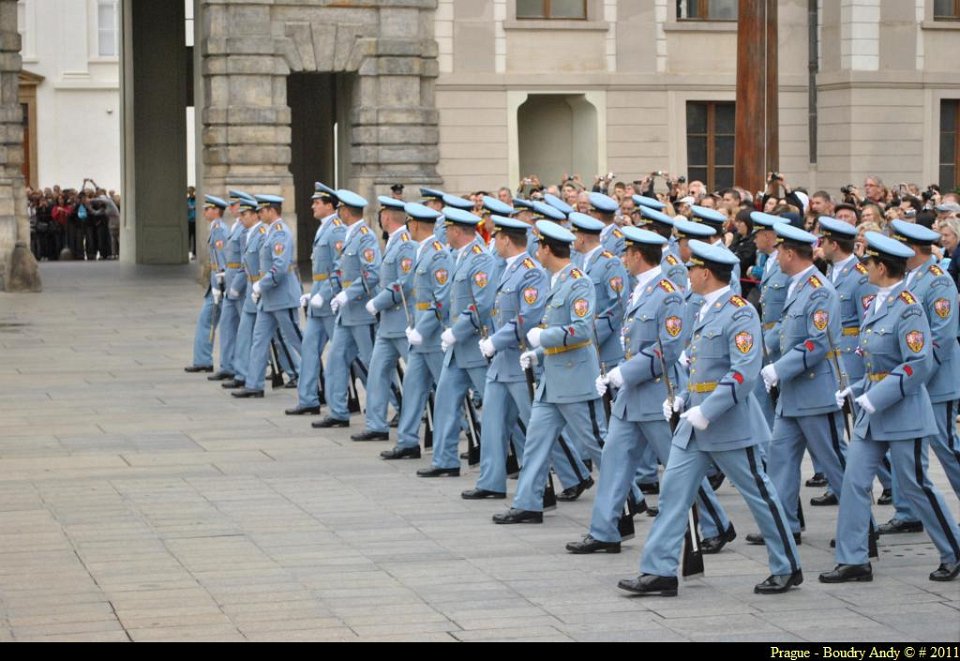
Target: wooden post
<point>758,125</point>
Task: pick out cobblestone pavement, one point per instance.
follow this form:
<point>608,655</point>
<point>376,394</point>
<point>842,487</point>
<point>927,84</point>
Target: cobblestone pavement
<point>141,503</point>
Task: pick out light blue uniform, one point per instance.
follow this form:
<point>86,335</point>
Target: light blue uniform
<point>773,296</point>
<point>233,305</point>
<point>279,297</point>
<point>396,274</point>
<point>431,287</point>
<point>252,240</point>
<point>204,335</point>
<point>937,294</point>
<point>807,412</point>
<point>856,295</point>
<point>673,269</point>
<point>611,238</point>
<point>566,399</point>
<point>609,279</point>
<point>471,301</point>
<point>358,274</point>
<point>896,344</point>
<point>327,244</point>
<point>725,362</point>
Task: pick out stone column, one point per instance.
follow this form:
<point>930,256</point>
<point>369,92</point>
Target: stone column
<point>18,268</point>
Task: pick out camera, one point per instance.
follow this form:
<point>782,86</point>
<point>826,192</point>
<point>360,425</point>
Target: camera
<point>681,180</point>
<point>775,176</point>
<point>847,190</point>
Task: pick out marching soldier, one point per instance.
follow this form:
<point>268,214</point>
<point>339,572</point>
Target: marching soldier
<point>723,424</point>
<point>431,284</point>
<point>893,413</point>
<point>358,274</point>
<point>716,220</point>
<point>471,300</point>
<point>433,199</point>
<point>807,415</point>
<point>652,336</point>
<point>232,306</point>
<point>327,244</point>
<point>565,400</point>
<point>390,306</point>
<point>662,224</point>
<point>276,294</point>
<point>239,288</point>
<point>604,209</point>
<point>213,209</point>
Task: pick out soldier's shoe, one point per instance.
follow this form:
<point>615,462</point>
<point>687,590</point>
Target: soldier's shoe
<point>329,423</point>
<point>712,545</point>
<point>818,480</point>
<point>649,488</point>
<point>591,545</point>
<point>886,498</point>
<point>848,573</point>
<point>292,384</point>
<point>665,586</point>
<point>220,376</point>
<point>197,369</point>
<point>946,572</point>
<point>439,472</point>
<point>482,494</point>
<point>571,494</point>
<point>777,584</point>
<point>401,453</point>
<point>303,410</point>
<point>247,394</point>
<point>756,539</point>
<point>826,500</point>
<point>517,516</point>
<point>234,384</point>
<point>371,436</point>
<point>897,526</point>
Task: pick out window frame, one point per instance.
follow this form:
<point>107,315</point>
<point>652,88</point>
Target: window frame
<point>944,105</point>
<point>949,17</point>
<point>703,11</point>
<point>100,30</point>
<point>547,13</point>
<point>711,135</point>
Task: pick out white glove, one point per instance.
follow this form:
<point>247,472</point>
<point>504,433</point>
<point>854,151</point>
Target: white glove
<point>220,276</point>
<point>615,378</point>
<point>770,378</point>
<point>447,340</point>
<point>863,401</point>
<point>256,289</point>
<point>533,337</point>
<point>601,385</point>
<point>487,348</point>
<point>217,297</point>
<point>684,359</point>
<point>255,297</point>
<point>316,301</point>
<point>696,418</point>
<point>841,396</point>
<point>233,293</point>
<point>304,300</point>
<point>371,308</point>
<point>414,337</point>
<point>669,410</point>
<point>338,301</point>
<point>528,359</point>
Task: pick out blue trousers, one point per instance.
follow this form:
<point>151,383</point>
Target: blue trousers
<point>268,323</point>
<point>648,468</point>
<point>387,353</point>
<point>624,447</point>
<point>423,371</point>
<point>315,337</point>
<point>582,423</point>
<point>911,479</point>
<point>679,486</point>
<point>204,334</point>
<point>349,343</point>
<point>820,434</point>
<point>229,326</point>
<point>448,411</point>
<point>241,355</point>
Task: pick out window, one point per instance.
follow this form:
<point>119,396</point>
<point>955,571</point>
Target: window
<point>946,10</point>
<point>711,127</point>
<point>107,29</point>
<point>558,9</point>
<point>707,10</point>
<point>949,144</point>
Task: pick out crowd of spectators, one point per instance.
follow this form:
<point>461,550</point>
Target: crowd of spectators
<point>73,223</point>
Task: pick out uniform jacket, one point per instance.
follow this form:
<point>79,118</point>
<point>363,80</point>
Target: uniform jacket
<point>396,274</point>
<point>327,244</point>
<point>520,301</point>
<point>609,278</point>
<point>935,291</point>
<point>856,295</point>
<point>471,301</point>
<point>279,281</point>
<point>431,291</point>
<point>358,274</point>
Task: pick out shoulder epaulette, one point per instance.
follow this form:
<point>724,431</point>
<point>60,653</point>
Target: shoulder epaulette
<point>337,222</point>
<point>576,274</point>
<point>364,230</point>
<point>607,254</point>
<point>404,237</point>
<point>617,233</point>
<point>667,286</point>
<point>263,230</point>
<point>907,298</point>
<point>861,268</point>
<point>437,245</point>
<point>672,261</point>
<point>936,270</point>
<point>815,282</point>
<point>739,301</point>
<point>276,227</point>
<point>477,250</point>
<point>528,263</point>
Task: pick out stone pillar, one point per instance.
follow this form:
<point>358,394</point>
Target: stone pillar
<point>18,268</point>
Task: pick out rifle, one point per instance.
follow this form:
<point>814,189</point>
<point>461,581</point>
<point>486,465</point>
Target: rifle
<point>607,397</point>
<point>276,376</point>
<point>692,563</point>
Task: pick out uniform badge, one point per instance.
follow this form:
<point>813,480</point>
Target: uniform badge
<point>441,275</point>
<point>744,342</point>
<point>531,295</point>
<point>581,307</point>
<point>406,264</point>
<point>861,268</point>
<point>263,229</point>
<point>868,301</point>
<point>339,246</point>
<point>481,280</point>
<point>739,302</point>
<point>815,282</point>
<point>821,318</point>
<point>616,284</point>
<point>671,260</point>
<point>278,249</point>
<point>667,286</point>
<point>369,255</point>
<point>942,308</point>
<point>915,341</point>
<point>674,326</point>
<point>528,263</point>
<point>219,245</point>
